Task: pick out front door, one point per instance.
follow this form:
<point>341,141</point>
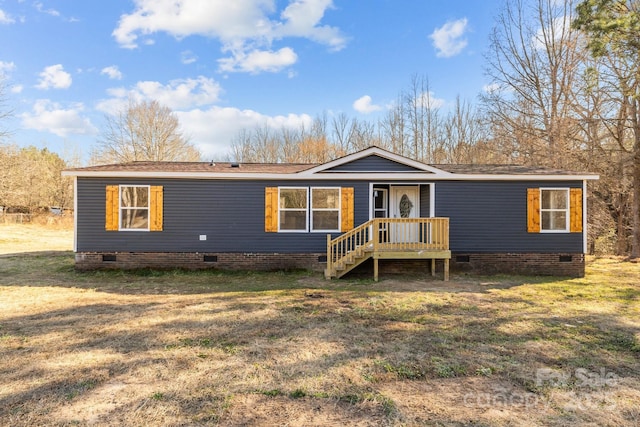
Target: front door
<point>405,203</point>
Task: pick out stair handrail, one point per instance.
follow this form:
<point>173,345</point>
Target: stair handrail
<point>348,242</point>
<point>364,235</point>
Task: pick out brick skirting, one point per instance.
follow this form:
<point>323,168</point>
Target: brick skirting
<point>199,261</point>
<point>571,264</point>
<point>537,264</point>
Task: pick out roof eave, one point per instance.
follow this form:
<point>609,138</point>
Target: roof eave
<point>409,176</point>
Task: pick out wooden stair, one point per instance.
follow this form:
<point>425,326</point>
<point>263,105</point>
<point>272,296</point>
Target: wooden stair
<point>413,238</point>
<point>349,262</point>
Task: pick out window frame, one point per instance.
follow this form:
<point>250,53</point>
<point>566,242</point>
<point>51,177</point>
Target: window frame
<point>306,210</point>
<point>567,210</point>
<point>384,195</point>
<point>338,209</point>
<point>122,209</point>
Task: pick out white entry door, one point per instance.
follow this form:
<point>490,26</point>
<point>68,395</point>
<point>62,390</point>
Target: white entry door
<point>405,203</point>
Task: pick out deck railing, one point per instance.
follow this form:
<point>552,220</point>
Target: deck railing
<point>390,234</point>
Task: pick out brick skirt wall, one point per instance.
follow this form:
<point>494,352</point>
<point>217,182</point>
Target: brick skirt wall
<point>571,265</point>
<point>198,261</point>
<point>537,264</point>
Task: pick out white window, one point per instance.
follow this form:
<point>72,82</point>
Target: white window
<point>134,207</point>
<point>293,209</point>
<point>325,209</point>
<point>554,209</point>
<point>380,198</point>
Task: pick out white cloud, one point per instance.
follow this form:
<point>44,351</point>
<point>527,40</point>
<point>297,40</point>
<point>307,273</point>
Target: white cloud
<point>559,29</point>
<point>187,57</point>
<point>448,39</point>
<point>16,88</point>
<point>5,18</point>
<point>6,67</point>
<point>55,77</point>
<point>257,61</point>
<point>48,116</point>
<point>302,19</point>
<point>364,105</point>
<point>214,129</point>
<point>113,72</point>
<point>491,87</point>
<point>247,28</point>
<point>431,102</point>
<point>40,8</point>
<point>177,94</point>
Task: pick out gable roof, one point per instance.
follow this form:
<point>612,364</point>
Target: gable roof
<point>378,152</point>
<point>338,169</point>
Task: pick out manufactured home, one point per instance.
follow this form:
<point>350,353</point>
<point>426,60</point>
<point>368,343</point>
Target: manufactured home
<point>372,209</point>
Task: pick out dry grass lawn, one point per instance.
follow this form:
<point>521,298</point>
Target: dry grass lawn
<point>291,349</point>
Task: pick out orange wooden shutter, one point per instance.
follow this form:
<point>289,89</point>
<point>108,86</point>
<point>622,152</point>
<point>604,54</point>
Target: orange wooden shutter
<point>533,210</point>
<point>156,208</point>
<point>271,209</point>
<point>111,208</point>
<point>575,210</point>
<point>346,209</point>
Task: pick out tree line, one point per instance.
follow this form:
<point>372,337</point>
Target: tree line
<point>31,180</point>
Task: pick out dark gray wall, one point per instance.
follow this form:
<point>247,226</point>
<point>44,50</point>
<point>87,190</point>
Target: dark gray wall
<point>492,217</point>
<point>374,163</point>
<point>484,217</point>
<point>231,214</point>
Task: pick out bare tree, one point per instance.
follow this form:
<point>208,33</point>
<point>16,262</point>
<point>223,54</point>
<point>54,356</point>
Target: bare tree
<point>533,62</point>
<point>464,136</point>
<point>31,178</point>
<point>342,132</point>
<point>144,130</point>
<point>393,128</point>
<point>612,28</point>
<point>5,111</point>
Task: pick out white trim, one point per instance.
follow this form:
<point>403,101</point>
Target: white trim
<point>432,193</point>
<point>75,214</point>
<point>311,209</point>
<point>584,217</point>
<point>386,201</point>
<point>371,200</point>
<point>567,210</point>
<point>432,200</point>
<point>307,220</point>
<point>342,176</point>
<point>121,208</point>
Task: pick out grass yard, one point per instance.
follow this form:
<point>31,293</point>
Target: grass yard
<point>208,348</point>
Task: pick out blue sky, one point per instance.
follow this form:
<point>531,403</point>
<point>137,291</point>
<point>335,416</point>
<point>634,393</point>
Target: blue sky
<point>225,65</point>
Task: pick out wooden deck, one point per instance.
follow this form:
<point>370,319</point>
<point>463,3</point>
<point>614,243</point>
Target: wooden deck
<point>389,238</point>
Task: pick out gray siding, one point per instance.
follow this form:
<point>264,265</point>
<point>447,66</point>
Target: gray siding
<point>484,217</point>
<point>374,163</point>
<point>231,214</point>
<point>424,201</point>
<point>492,217</point>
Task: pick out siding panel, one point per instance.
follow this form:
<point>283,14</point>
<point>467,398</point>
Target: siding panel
<point>484,217</point>
<point>492,217</point>
<point>374,163</point>
<point>230,214</point>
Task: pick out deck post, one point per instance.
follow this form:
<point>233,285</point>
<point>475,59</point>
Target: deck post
<point>446,269</point>
<point>329,271</point>
<point>433,266</point>
<point>375,267</point>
